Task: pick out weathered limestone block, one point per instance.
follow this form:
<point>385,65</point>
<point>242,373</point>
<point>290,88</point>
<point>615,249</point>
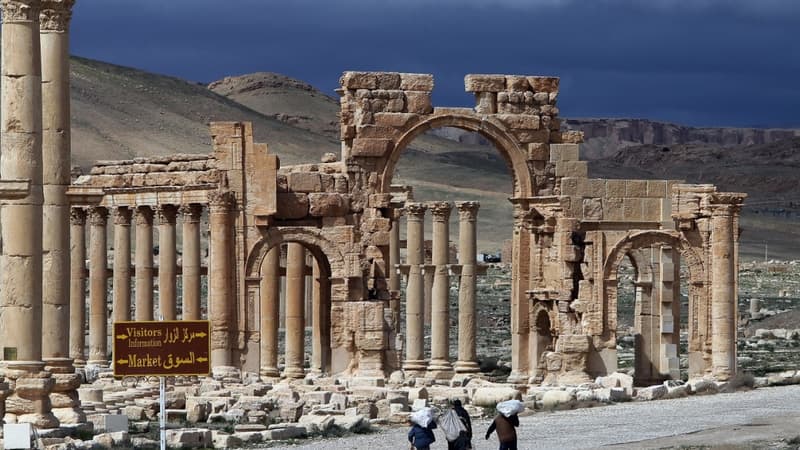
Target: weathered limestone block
<point>520,121</point>
<point>327,205</point>
<point>291,411</point>
<point>292,206</point>
<point>353,424</point>
<point>558,400</point>
<point>119,440</point>
<point>592,209</point>
<point>387,80</point>
<point>564,152</point>
<point>538,151</point>
<point>632,209</point>
<point>616,379</point>
<point>517,83</point>
<point>613,209</point>
<point>484,83</point>
<point>544,84</point>
<point>636,188</point>
<point>572,169</point>
<point>528,136</point>
<point>359,80</point>
<point>395,120</point>
<point>418,102</point>
<point>491,396</point>
<point>651,392</point>
<point>416,82</point>
<point>316,423</point>
<point>189,438</point>
<point>371,147</point>
<point>304,182</point>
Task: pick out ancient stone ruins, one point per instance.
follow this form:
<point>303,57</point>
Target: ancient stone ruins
<point>332,229</point>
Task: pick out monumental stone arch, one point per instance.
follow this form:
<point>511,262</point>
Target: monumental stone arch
<point>655,256</point>
<point>570,232</point>
<point>229,219</point>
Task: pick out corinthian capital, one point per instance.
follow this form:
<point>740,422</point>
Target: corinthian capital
<point>20,10</point>
<point>55,15</point>
<point>468,211</point>
<point>98,216</point>
<point>77,216</point>
<point>415,211</point>
<point>440,210</point>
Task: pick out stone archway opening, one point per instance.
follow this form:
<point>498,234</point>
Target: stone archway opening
<point>437,168</point>
<point>543,343</point>
<point>295,311</point>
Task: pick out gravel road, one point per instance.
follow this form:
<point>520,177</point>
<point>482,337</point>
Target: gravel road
<point>665,422</point>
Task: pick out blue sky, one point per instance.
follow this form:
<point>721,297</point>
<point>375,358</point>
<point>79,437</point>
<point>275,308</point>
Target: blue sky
<point>698,62</point>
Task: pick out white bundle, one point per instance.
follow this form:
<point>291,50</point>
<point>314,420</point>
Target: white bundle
<point>510,407</point>
<point>423,417</point>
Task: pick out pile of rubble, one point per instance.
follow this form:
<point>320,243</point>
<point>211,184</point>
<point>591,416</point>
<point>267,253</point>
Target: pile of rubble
<point>231,410</point>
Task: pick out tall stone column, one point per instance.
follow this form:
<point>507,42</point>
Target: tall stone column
<point>144,263</point>
<point>122,264</point>
<point>723,296</point>
<point>98,289</point>
<point>21,216</point>
<point>167,262</point>
<point>320,337</point>
<point>468,259</point>
<point>77,287</point>
<point>54,20</point>
<point>295,314</point>
<point>394,254</point>
<point>415,289</point>
<point>190,282</point>
<point>270,297</point>
<point>440,366</point>
<point>54,39</point>
<point>220,310</point>
<point>520,282</point>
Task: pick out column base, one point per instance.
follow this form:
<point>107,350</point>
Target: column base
<point>467,367</point>
<point>270,372</point>
<point>102,363</point>
<point>440,369</point>
<point>294,372</point>
<point>415,366</point>
<point>518,377</point>
<point>30,401</point>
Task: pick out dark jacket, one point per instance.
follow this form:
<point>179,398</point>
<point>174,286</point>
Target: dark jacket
<point>422,437</point>
<point>505,428</point>
<point>464,416</point>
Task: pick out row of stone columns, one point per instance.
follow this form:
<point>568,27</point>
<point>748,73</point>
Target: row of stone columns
<point>295,313</point>
<point>440,365</point>
<point>34,169</point>
<point>122,271</point>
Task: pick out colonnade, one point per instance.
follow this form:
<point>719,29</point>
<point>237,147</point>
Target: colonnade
<point>34,176</point>
<point>440,365</point>
<point>144,271</point>
<point>297,315</point>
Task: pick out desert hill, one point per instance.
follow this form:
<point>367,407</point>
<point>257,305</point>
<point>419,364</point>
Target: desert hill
<point>120,112</point>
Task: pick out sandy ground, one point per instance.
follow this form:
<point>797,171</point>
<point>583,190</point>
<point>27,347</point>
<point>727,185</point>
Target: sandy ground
<point>762,418</point>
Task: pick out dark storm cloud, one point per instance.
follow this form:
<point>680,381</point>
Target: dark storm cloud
<point>705,62</point>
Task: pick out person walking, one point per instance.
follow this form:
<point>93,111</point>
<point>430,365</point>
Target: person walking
<point>420,437</point>
<point>506,432</point>
<point>464,441</point>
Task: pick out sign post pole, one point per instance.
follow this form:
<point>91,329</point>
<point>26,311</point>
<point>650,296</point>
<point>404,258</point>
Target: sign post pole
<point>162,349</point>
<point>163,407</point>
